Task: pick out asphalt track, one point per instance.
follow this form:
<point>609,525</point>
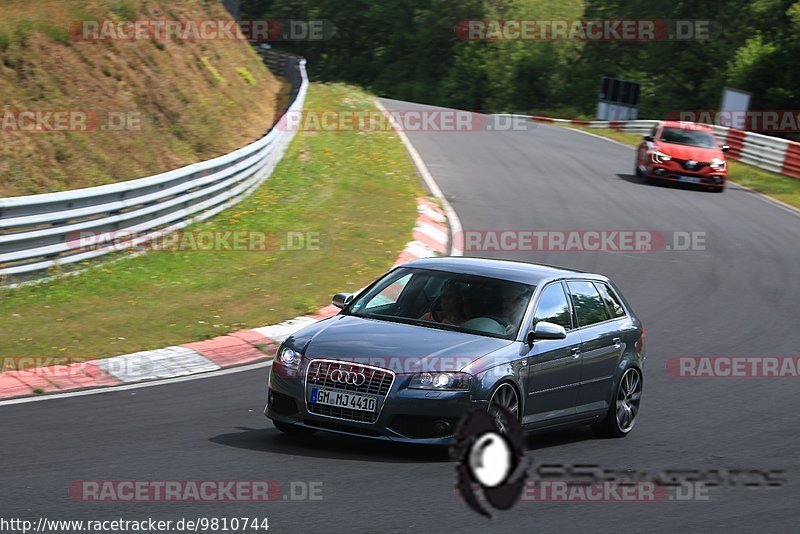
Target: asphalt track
<point>738,297</point>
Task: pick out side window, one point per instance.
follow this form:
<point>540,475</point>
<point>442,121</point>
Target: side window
<point>553,307</point>
<point>589,306</point>
<point>390,293</point>
<point>654,131</point>
<point>612,301</point>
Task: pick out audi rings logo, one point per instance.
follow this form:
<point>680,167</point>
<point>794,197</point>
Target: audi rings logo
<point>354,378</point>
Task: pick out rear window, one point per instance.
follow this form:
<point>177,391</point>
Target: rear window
<point>611,299</point>
<point>588,304</point>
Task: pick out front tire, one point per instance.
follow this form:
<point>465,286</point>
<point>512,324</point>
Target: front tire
<point>718,189</point>
<point>622,414</point>
<point>505,397</point>
<point>636,170</point>
<point>292,430</point>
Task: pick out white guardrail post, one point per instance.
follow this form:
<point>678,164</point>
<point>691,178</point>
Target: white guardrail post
<point>41,232</point>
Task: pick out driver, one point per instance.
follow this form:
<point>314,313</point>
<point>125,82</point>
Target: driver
<point>453,304</point>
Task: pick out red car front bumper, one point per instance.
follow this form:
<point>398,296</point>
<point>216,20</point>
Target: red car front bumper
<point>675,172</point>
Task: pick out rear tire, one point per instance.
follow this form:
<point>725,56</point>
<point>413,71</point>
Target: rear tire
<point>292,430</point>
<point>622,414</point>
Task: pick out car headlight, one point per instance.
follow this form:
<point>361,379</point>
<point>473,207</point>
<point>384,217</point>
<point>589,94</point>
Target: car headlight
<point>289,357</point>
<point>718,164</point>
<point>659,157</point>
<point>440,381</point>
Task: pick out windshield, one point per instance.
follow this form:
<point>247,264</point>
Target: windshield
<point>681,136</point>
<point>449,301</point>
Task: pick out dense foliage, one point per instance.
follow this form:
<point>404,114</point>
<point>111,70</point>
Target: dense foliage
<point>408,49</point>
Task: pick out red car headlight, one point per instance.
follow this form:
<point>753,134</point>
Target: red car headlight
<point>659,157</point>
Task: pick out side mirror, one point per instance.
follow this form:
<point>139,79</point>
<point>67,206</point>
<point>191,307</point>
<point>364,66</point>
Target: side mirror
<point>340,300</point>
<point>648,138</point>
<point>725,148</point>
<point>545,330</point>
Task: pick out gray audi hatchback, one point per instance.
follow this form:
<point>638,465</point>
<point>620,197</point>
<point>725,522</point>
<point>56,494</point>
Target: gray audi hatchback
<point>415,351</point>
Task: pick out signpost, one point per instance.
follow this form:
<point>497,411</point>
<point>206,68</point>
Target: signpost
<point>619,100</point>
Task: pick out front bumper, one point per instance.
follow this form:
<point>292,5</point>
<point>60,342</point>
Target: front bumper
<point>707,178</point>
<point>407,415</point>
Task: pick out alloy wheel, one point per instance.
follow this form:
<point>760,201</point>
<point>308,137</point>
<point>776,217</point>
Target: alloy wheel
<point>504,397</point>
<point>629,396</point>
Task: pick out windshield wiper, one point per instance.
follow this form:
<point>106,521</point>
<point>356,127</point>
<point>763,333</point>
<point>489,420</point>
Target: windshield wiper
<point>363,315</point>
<point>428,324</point>
<point>406,320</point>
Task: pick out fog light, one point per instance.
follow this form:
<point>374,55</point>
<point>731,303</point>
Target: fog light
<point>442,427</point>
<point>270,399</point>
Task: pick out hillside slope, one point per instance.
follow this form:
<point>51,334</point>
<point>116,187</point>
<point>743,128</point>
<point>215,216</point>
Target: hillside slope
<point>183,100</point>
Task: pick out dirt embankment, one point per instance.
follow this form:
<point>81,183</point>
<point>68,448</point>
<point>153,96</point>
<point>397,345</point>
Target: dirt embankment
<point>122,109</point>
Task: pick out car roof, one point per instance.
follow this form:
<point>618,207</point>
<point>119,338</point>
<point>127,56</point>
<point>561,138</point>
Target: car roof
<point>515,271</point>
<point>688,126</point>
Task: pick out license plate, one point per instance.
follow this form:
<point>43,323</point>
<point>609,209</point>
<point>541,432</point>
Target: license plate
<point>344,399</point>
<point>689,179</point>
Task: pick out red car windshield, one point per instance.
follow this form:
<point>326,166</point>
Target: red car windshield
<point>687,137</point>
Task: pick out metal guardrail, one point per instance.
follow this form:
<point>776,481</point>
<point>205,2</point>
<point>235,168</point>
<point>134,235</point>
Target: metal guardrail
<point>41,232</point>
<point>770,153</point>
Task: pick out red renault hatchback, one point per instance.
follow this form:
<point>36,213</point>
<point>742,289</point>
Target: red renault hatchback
<point>683,152</point>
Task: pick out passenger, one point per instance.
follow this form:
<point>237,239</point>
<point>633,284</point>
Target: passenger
<point>453,304</point>
<point>514,301</point>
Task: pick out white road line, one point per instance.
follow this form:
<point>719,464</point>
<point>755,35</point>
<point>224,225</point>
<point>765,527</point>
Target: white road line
<point>455,224</point>
<point>126,387</point>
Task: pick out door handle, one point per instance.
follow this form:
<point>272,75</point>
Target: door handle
<point>617,341</point>
<point>576,352</point>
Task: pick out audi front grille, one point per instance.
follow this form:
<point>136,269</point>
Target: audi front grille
<point>376,381</point>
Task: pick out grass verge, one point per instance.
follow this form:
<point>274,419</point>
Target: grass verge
<point>353,191</point>
<point>780,187</point>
